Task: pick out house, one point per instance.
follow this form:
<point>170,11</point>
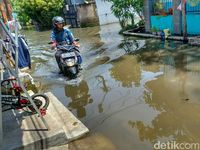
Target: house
<point>88,13</point>
<point>168,14</point>
<point>80,13</point>
<point>104,12</point>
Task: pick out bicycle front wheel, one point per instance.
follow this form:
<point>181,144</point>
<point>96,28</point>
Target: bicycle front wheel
<point>41,101</point>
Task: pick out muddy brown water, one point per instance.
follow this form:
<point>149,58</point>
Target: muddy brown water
<point>131,93</point>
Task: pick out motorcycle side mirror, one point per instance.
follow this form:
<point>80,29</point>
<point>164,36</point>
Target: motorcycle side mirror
<point>76,39</point>
<point>50,42</point>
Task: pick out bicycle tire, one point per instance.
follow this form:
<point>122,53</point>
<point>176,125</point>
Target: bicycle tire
<point>7,82</point>
<point>36,100</point>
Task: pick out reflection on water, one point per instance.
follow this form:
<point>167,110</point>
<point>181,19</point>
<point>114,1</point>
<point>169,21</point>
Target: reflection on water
<point>105,89</point>
<point>134,92</point>
<point>180,73</point>
<point>127,70</point>
<point>131,45</point>
<point>80,97</point>
<point>178,119</point>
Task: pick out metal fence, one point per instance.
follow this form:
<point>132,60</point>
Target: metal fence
<point>70,15</point>
<point>193,8</point>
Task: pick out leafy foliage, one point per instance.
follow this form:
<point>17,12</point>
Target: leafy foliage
<point>40,11</point>
<point>127,10</point>
<point>23,18</point>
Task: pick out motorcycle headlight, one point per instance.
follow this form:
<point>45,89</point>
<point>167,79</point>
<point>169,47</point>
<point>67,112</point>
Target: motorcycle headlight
<point>70,62</point>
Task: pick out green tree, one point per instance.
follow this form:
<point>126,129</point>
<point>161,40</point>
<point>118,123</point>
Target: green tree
<point>23,18</point>
<point>40,11</point>
<point>127,10</point>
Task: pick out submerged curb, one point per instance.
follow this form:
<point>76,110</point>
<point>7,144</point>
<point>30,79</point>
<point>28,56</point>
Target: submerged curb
<point>146,35</point>
<point>194,40</point>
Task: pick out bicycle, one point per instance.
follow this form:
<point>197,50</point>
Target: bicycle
<point>13,98</point>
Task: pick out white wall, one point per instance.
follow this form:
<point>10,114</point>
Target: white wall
<point>104,12</point>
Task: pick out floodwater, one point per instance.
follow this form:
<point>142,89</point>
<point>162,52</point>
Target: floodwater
<point>131,93</point>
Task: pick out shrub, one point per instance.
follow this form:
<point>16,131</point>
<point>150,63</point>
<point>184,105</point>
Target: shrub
<point>39,11</point>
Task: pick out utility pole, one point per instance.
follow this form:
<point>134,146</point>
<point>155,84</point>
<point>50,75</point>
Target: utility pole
<point>148,5</point>
<point>177,18</point>
<point>184,21</point>
<point>1,75</point>
<point>1,78</point>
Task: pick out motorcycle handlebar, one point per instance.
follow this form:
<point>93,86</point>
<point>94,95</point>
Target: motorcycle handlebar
<point>67,47</point>
<point>75,39</point>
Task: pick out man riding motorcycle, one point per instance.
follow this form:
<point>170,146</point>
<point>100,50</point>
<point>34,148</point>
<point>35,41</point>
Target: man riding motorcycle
<point>60,36</point>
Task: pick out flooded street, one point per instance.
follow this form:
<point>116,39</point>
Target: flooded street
<point>131,92</point>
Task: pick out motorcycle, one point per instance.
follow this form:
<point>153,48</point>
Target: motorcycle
<point>70,60</point>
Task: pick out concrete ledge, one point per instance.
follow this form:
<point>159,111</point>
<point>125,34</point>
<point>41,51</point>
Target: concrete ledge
<point>29,133</point>
<point>146,35</point>
<point>192,40</point>
<point>63,147</point>
<point>72,126</point>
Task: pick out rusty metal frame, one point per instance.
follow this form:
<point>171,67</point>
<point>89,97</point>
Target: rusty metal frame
<point>14,72</point>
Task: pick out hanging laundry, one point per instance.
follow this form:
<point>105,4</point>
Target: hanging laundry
<point>11,26</point>
<point>24,55</point>
<point>23,51</point>
<point>180,5</point>
<point>7,16</point>
<point>24,59</point>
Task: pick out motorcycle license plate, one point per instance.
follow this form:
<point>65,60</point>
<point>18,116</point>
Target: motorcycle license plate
<point>66,55</point>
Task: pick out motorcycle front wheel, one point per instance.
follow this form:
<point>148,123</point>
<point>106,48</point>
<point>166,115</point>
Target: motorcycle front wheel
<point>71,72</point>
